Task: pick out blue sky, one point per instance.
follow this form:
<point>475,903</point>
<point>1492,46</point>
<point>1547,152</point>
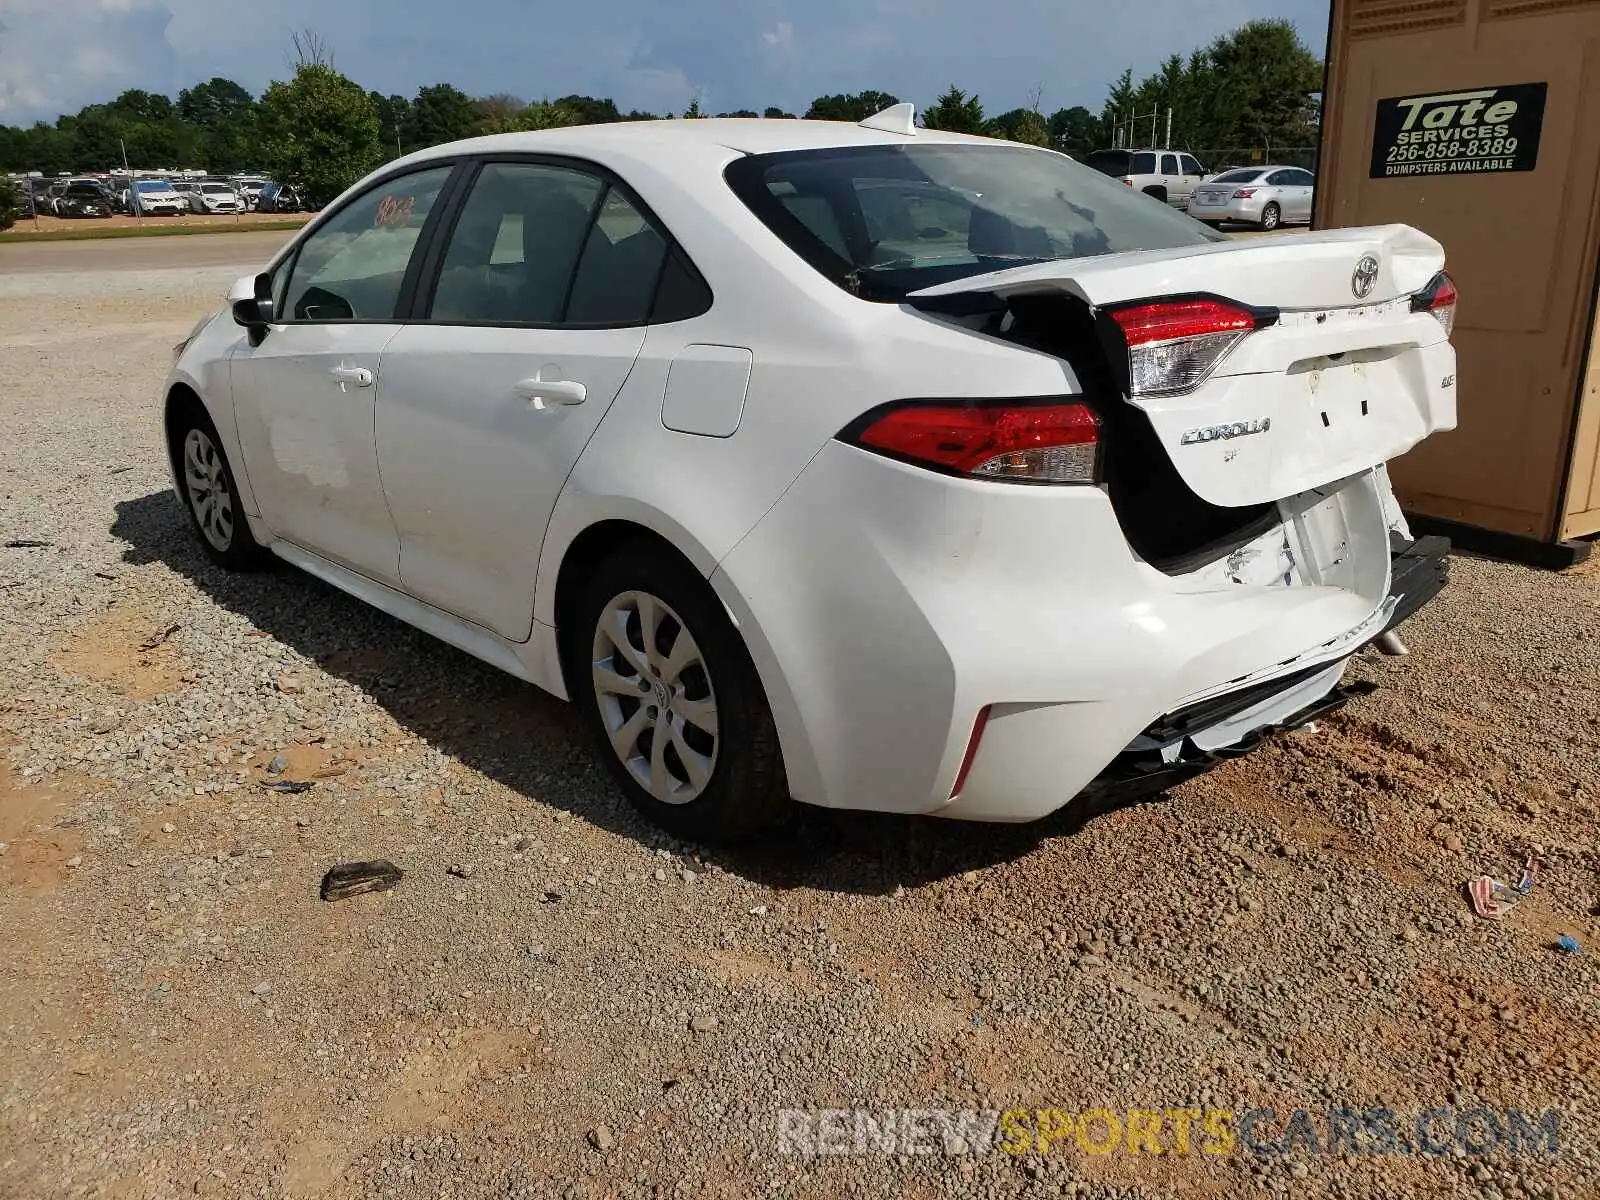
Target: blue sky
<point>57,55</point>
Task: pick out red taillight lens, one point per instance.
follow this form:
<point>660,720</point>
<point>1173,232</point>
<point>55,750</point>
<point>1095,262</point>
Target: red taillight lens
<point>1244,193</point>
<point>1023,442</point>
<point>1174,345</point>
<point>971,756</point>
<point>1438,298</point>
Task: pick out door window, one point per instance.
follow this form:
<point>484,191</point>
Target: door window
<point>1302,178</point>
<point>1191,166</point>
<point>352,268</point>
<point>1169,164</point>
<point>516,245</point>
<point>1281,179</point>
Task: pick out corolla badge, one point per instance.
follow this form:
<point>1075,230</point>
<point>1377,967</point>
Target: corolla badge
<point>1225,433</point>
<point>1365,277</point>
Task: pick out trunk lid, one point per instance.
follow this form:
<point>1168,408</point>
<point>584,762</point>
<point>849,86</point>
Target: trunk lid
<point>1338,383</point>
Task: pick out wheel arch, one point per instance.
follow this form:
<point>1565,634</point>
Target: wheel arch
<point>1157,191</point>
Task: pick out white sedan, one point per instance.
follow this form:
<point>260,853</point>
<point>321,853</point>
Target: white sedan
<point>867,466</point>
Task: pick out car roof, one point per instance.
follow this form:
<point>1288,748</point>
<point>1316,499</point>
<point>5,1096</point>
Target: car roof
<point>744,135</point>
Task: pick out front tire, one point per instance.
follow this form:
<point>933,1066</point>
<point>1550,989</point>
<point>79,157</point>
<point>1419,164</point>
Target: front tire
<point>210,495</point>
<point>1271,217</point>
<point>672,700</point>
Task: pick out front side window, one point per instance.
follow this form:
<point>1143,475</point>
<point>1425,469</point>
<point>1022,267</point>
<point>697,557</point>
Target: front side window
<point>1191,166</point>
<point>352,268</point>
<point>884,221</point>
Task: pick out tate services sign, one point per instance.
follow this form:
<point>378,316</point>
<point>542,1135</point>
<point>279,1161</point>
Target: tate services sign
<point>1468,132</point>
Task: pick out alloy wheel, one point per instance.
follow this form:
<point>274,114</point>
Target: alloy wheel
<point>655,696</point>
<point>206,481</point>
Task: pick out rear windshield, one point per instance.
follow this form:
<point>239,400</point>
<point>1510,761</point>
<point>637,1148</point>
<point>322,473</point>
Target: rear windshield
<point>1108,162</point>
<point>84,189</point>
<point>884,221</point>
<point>216,189</point>
<point>153,185</point>
<point>1244,176</point>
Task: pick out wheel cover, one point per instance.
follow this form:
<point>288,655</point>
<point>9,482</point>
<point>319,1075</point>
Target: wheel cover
<point>207,484</point>
<point>1270,217</point>
<point>654,693</point>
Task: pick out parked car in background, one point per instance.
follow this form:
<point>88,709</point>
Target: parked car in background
<point>1265,197</point>
<point>156,197</point>
<point>1088,524</point>
<point>249,189</point>
<point>208,196</point>
<point>280,198</point>
<point>85,198</point>
<point>1168,175</point>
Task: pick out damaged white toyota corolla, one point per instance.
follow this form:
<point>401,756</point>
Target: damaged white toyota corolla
<point>866,465</point>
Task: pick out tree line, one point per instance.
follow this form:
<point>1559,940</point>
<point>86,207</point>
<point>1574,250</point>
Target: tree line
<point>322,130</point>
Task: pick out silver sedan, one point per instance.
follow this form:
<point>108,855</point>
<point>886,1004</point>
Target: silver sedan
<point>1265,197</point>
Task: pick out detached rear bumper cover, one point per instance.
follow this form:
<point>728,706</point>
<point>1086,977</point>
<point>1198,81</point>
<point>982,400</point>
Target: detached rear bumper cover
<point>1192,740</point>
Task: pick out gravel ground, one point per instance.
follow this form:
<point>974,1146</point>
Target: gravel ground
<point>558,1002</point>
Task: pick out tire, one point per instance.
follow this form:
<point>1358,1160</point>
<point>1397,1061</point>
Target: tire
<point>1271,217</point>
<point>717,777</point>
<point>210,495</point>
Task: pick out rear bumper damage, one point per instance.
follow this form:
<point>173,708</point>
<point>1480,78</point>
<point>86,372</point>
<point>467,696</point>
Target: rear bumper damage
<point>1190,741</point>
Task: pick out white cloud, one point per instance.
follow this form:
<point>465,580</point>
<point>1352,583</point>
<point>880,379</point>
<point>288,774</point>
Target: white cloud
<point>59,55</point>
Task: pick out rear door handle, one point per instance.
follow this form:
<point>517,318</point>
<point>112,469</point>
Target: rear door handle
<point>359,376</point>
<point>546,393</point>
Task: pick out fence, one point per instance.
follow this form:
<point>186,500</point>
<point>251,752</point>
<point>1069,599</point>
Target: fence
<point>1257,156</point>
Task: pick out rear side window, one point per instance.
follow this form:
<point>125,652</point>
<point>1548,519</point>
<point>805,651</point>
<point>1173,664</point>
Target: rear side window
<point>515,245</point>
<point>1169,164</point>
<point>1302,178</point>
<point>543,244</point>
<point>352,268</point>
<point>1282,179</point>
<point>1142,164</point>
<point>1108,162</point>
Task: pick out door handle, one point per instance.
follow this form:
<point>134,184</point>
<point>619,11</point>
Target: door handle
<point>359,376</point>
<point>547,393</point>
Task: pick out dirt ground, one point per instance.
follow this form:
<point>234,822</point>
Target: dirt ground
<point>556,1001</point>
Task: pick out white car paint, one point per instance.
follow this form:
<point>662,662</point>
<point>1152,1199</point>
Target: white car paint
<point>883,605</point>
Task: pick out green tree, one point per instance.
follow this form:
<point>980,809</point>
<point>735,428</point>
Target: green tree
<point>10,205</point>
<point>955,112</point>
<point>591,111</point>
<point>694,112</point>
<point>394,112</point>
<point>1074,130</point>
<point>774,113</point>
<point>740,112</point>
<point>441,113</point>
<point>500,113</point>
<point>548,114</point>
<point>320,130</point>
<point>1268,77</point>
<point>1020,125</point>
<point>214,103</point>
<point>857,106</point>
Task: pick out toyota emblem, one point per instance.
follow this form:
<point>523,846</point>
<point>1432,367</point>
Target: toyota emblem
<point>1365,277</point>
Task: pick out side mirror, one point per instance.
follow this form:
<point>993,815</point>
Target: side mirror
<point>252,305</point>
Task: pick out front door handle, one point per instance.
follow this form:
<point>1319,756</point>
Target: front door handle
<point>359,376</point>
<point>547,393</point>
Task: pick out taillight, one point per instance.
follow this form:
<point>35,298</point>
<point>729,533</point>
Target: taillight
<point>1174,345</point>
<point>1438,298</point>
<point>1244,193</point>
<point>971,756</point>
<point>1019,441</point>
<point>1127,183</point>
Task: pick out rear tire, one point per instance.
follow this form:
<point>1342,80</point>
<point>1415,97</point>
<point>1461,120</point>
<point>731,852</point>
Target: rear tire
<point>1271,217</point>
<point>210,495</point>
<point>673,702</point>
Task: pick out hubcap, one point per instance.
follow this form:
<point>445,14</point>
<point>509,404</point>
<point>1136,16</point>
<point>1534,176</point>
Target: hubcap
<point>207,484</point>
<point>655,697</point>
